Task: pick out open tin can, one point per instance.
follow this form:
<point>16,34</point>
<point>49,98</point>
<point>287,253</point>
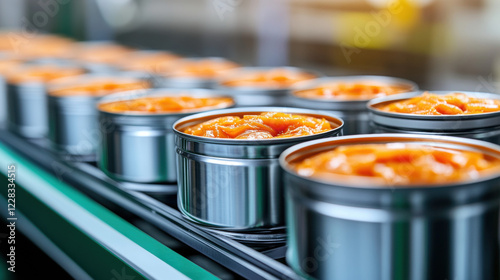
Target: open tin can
<point>100,56</point>
<point>235,184</point>
<point>192,72</point>
<point>251,86</point>
<point>139,146</point>
<point>342,230</point>
<point>73,117</point>
<point>484,126</point>
<point>352,111</point>
<point>148,61</point>
<point>27,113</point>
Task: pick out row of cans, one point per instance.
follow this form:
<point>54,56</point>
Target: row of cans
<point>246,189</point>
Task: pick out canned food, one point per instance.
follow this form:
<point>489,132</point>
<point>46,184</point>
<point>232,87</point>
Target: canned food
<point>235,184</point>
<point>262,86</point>
<point>26,96</point>
<point>347,97</point>
<point>73,120</point>
<point>478,125</point>
<point>192,72</point>
<point>137,141</point>
<point>421,207</point>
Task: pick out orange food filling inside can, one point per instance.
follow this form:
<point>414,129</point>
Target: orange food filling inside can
<point>98,87</point>
<point>397,164</point>
<point>166,104</point>
<point>274,78</point>
<point>6,65</point>
<point>450,104</point>
<point>102,53</point>
<point>203,68</point>
<point>352,91</point>
<point>267,125</point>
<point>41,73</point>
<point>148,61</point>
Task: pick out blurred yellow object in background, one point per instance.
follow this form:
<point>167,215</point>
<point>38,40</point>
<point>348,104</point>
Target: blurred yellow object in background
<point>378,28</point>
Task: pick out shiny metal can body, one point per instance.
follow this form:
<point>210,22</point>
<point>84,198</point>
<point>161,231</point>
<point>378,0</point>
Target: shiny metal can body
<point>140,147</point>
<point>73,119</point>
<point>485,126</point>
<point>233,184</point>
<point>259,96</point>
<point>341,231</point>
<point>353,112</point>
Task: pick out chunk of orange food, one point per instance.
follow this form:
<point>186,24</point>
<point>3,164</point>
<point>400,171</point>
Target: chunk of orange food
<point>97,87</point>
<point>274,78</point>
<point>352,91</point>
<point>41,73</point>
<point>166,104</point>
<point>449,104</point>
<point>397,164</point>
<point>267,125</point>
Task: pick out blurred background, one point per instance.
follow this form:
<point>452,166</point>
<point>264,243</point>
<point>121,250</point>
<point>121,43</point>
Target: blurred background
<point>440,44</point>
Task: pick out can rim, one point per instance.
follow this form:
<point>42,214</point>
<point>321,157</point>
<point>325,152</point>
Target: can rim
<point>328,143</point>
<point>223,112</point>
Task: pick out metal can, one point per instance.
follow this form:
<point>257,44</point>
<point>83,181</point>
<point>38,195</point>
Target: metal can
<point>73,120</point>
<point>139,147</point>
<point>27,112</point>
<point>199,72</point>
<point>485,126</point>
<point>232,184</point>
<point>259,95</point>
<point>7,62</point>
<point>346,231</point>
<point>148,61</point>
<point>353,112</point>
